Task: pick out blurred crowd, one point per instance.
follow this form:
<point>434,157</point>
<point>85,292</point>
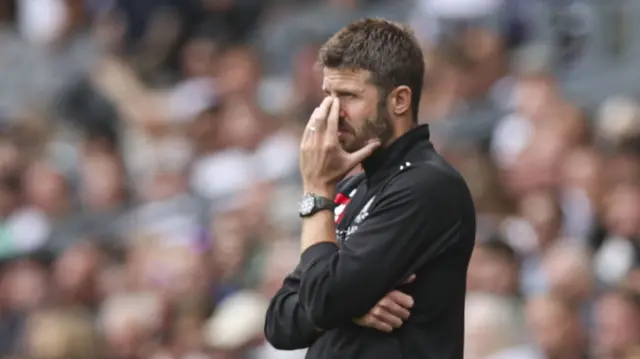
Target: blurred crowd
<point>149,176</point>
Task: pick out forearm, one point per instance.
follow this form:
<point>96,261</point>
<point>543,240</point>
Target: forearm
<point>287,326</point>
<point>318,228</point>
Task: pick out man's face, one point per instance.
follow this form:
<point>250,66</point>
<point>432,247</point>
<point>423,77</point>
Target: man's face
<point>363,114</point>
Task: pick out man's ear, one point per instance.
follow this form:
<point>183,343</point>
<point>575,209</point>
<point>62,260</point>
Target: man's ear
<point>400,100</point>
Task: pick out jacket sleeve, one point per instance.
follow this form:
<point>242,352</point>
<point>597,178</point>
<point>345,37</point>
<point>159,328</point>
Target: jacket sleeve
<point>413,221</point>
<point>287,325</point>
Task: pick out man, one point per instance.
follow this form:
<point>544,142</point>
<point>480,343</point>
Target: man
<point>408,213</point>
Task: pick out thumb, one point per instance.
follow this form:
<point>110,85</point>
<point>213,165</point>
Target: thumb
<point>364,152</point>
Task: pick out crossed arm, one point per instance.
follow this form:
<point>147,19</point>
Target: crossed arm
<point>332,285</point>
<point>288,326</point>
<point>403,231</point>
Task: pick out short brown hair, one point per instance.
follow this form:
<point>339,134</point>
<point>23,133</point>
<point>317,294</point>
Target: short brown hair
<point>388,50</point>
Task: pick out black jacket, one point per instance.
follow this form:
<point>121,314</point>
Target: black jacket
<point>409,212</point>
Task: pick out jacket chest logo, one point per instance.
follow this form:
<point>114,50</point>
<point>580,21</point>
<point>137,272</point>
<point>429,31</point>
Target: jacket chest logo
<point>364,213</point>
<point>343,235</point>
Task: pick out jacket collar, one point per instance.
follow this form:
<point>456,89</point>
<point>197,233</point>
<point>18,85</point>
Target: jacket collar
<point>387,157</point>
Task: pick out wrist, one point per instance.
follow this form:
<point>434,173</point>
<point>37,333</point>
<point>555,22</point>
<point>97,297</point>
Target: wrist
<point>324,191</point>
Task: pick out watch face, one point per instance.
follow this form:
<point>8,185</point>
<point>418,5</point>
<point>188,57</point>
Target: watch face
<point>306,205</point>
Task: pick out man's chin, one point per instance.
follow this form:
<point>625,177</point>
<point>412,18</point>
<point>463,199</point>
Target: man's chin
<point>350,147</point>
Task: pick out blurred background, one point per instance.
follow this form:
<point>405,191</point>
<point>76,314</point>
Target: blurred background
<point>148,169</point>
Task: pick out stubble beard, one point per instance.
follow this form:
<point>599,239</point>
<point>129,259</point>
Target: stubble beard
<point>378,127</point>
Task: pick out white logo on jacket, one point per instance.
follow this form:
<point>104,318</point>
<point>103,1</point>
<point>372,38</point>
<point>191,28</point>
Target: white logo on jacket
<point>344,235</point>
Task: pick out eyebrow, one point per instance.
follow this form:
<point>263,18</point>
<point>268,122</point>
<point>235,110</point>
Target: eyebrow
<point>344,91</point>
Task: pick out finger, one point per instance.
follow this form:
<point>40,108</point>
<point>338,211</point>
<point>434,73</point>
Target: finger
<point>316,121</point>
<point>383,327</point>
<point>319,117</point>
<point>311,126</point>
<point>394,308</point>
<point>363,153</point>
<point>382,315</point>
<point>373,322</point>
<point>333,119</point>
<point>411,279</point>
<point>370,321</point>
<point>308,128</point>
<point>403,299</point>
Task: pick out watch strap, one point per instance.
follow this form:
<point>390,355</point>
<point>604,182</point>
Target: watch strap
<point>320,203</point>
<point>324,203</point>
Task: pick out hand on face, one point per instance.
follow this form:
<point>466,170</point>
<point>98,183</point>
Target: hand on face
<point>323,162</point>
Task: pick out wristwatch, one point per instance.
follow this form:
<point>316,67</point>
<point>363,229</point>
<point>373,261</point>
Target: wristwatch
<point>312,203</point>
